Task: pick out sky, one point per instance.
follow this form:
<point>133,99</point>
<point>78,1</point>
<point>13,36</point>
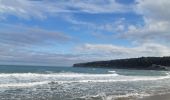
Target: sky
<point>64,32</point>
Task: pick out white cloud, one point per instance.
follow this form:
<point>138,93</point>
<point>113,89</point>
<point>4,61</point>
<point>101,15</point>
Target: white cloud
<point>42,8</point>
<point>109,51</point>
<point>152,31</point>
<point>9,55</point>
<point>29,45</point>
<point>158,10</point>
<point>113,26</point>
<point>102,6</point>
<point>21,8</point>
<point>19,35</point>
<point>84,53</point>
<point>156,26</point>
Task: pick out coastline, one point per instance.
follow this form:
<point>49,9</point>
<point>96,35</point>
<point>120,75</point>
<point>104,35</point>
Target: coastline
<point>141,63</point>
<point>157,97</point>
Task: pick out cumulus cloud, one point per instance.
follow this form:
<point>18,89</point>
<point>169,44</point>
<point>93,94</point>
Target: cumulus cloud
<point>109,51</point>
<point>156,22</point>
<point>152,31</point>
<point>157,10</point>
<point>40,8</point>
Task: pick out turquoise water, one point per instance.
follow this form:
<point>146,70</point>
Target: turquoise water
<point>68,83</point>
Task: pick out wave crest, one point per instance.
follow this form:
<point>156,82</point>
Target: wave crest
<point>32,79</point>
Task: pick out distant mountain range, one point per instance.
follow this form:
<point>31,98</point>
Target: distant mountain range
<point>142,63</point>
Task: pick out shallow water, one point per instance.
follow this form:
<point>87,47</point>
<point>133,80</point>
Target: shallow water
<point>67,83</point>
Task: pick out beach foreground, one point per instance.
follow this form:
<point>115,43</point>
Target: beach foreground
<point>157,97</point>
<point>70,83</point>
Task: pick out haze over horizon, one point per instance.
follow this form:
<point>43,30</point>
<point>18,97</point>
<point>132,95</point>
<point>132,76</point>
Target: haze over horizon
<point>64,32</point>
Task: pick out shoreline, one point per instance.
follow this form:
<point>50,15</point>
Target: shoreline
<point>157,97</point>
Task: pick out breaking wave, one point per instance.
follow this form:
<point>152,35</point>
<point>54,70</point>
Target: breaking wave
<point>34,79</point>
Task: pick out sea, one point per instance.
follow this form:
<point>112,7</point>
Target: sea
<point>75,83</point>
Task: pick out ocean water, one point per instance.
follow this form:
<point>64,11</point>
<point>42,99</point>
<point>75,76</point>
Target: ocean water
<point>68,83</point>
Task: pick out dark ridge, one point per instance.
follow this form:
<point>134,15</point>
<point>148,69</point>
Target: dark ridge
<point>143,63</point>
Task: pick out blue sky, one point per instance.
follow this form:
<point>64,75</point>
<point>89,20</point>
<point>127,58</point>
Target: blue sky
<point>64,32</point>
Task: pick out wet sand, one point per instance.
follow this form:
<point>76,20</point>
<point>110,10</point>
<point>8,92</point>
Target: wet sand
<point>157,97</point>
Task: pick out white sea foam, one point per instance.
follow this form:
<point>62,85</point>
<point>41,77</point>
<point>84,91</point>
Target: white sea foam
<point>55,75</point>
<point>23,84</point>
<point>112,71</point>
<point>131,96</point>
<point>32,79</point>
<point>103,96</point>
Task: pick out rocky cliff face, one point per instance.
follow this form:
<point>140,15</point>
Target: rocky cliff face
<point>148,63</point>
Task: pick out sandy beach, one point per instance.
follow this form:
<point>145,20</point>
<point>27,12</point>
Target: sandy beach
<point>157,97</point>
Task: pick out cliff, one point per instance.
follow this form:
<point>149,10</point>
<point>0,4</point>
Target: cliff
<point>146,63</point>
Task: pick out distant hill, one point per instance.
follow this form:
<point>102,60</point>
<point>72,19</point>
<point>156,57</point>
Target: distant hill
<point>145,63</point>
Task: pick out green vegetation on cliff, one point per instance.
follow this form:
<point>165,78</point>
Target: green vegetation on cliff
<point>150,63</point>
